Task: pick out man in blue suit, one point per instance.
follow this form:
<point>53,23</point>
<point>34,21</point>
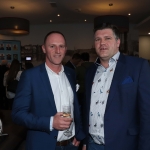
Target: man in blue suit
<point>117,106</point>
<point>41,94</point>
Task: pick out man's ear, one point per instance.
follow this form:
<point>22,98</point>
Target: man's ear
<point>43,48</point>
<point>118,42</point>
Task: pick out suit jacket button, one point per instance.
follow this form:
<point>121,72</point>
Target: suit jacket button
<point>55,137</point>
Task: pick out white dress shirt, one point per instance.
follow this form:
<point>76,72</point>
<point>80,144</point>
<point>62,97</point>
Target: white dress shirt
<point>63,95</point>
<point>99,95</point>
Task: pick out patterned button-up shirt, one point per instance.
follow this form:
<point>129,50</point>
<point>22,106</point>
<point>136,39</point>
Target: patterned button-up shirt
<point>99,96</point>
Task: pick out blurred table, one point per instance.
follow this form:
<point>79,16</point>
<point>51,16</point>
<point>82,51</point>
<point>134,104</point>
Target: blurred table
<point>16,134</point>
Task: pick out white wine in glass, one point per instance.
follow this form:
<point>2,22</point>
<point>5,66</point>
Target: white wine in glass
<point>67,111</point>
<point>67,114</point>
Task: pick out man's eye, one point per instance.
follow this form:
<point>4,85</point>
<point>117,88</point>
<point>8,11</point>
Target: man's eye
<point>51,46</point>
<point>107,38</point>
<point>62,46</point>
<point>97,39</point>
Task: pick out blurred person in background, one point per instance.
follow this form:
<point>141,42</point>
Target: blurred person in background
<point>3,68</point>
<point>28,65</point>
<point>80,74</point>
<point>13,73</point>
<point>74,61</point>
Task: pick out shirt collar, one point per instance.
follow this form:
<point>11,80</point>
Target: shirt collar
<point>52,72</point>
<point>114,58</point>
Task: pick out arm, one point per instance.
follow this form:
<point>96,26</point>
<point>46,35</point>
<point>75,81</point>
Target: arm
<point>84,147</point>
<point>18,75</point>
<point>5,77</point>
<point>24,110</point>
<point>32,107</point>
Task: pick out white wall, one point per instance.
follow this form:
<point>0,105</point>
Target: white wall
<point>144,47</point>
<point>78,36</point>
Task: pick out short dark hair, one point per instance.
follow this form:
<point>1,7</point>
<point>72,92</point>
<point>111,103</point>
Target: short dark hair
<point>85,56</point>
<point>76,56</point>
<point>45,38</point>
<point>108,26</point>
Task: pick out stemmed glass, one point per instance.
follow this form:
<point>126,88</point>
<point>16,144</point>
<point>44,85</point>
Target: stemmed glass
<point>67,114</point>
<point>1,129</point>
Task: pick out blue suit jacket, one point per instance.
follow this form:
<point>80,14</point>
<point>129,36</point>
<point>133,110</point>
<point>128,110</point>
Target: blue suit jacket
<point>127,115</point>
<point>34,105</point>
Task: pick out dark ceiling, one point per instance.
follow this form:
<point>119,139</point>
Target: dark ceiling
<point>76,11</point>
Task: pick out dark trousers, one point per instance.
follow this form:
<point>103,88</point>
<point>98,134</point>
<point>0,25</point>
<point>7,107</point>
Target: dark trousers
<point>70,146</point>
<point>93,146</point>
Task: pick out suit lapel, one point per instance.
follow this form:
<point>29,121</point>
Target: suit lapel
<point>69,78</point>
<point>46,83</point>
<point>119,74</point>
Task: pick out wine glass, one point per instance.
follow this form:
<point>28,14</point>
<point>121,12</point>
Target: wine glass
<point>1,128</point>
<point>67,114</point>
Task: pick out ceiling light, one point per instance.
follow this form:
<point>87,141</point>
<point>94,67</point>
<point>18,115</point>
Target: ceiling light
<point>111,4</point>
<point>85,20</point>
<point>149,33</point>
<point>58,15</point>
<point>12,7</point>
<point>129,14</point>
<point>14,26</point>
<point>50,21</point>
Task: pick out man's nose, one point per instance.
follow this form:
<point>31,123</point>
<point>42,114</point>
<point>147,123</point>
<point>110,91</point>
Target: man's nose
<point>102,41</point>
<point>57,50</point>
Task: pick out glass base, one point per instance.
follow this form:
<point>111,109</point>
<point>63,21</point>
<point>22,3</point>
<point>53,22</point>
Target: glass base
<point>68,133</point>
<point>3,134</point>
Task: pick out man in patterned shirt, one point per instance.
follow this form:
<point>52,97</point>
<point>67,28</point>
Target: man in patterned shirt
<point>117,105</point>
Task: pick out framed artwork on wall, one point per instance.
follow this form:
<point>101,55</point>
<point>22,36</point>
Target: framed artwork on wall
<point>9,50</point>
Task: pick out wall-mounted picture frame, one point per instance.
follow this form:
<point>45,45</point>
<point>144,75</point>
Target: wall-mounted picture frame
<point>9,50</point>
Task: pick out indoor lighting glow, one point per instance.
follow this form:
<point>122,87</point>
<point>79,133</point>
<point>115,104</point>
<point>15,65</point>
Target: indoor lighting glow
<point>14,26</point>
<point>58,15</point>
<point>149,33</point>
<point>12,7</point>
